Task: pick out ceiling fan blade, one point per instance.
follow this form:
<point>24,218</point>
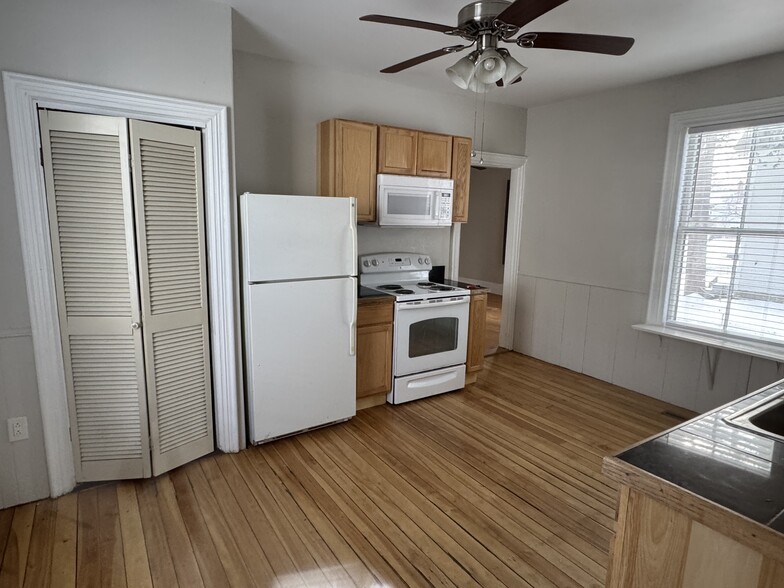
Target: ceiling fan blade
<point>422,58</point>
<point>521,12</point>
<point>577,42</point>
<point>407,22</point>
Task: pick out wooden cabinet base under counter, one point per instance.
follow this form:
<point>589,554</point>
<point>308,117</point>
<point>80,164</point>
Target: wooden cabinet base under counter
<point>374,350</point>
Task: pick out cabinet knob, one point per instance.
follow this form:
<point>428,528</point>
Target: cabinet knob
<point>135,326</point>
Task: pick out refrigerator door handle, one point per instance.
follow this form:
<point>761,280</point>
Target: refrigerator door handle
<point>351,234</point>
<point>352,313</point>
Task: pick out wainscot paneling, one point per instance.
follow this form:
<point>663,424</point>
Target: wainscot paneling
<point>22,479</point>
<point>588,329</point>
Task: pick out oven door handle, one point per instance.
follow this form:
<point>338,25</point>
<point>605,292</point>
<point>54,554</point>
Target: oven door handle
<point>410,306</point>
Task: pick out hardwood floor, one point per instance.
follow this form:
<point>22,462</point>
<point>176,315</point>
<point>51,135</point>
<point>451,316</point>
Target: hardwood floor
<point>498,485</point>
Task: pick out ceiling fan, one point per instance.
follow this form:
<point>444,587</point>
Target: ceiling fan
<point>486,24</point>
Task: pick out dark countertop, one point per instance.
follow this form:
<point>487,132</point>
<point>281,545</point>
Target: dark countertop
<point>724,464</point>
<point>365,292</point>
<point>466,285</point>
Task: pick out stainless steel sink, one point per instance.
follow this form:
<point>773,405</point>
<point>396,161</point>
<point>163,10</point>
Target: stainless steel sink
<point>765,417</point>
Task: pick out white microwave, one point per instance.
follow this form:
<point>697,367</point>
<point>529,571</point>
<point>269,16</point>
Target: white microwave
<point>412,201</point>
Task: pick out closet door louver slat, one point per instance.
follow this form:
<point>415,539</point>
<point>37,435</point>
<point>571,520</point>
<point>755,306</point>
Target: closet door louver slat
<point>168,189</point>
<point>91,226</point>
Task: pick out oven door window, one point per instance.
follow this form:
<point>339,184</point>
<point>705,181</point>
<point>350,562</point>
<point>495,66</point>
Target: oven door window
<point>431,336</point>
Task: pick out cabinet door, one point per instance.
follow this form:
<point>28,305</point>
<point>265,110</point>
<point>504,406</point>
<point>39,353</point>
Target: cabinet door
<point>397,151</point>
<point>461,174</point>
<point>167,179</point>
<point>434,155</point>
<point>355,161</point>
<point>89,197</point>
<point>475,358</point>
<point>374,359</point>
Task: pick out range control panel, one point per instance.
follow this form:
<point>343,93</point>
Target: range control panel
<point>394,262</point>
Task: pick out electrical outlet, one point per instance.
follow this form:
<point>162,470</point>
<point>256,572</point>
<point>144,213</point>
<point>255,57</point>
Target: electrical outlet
<point>17,429</point>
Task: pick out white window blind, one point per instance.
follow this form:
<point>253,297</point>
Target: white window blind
<point>727,272</point>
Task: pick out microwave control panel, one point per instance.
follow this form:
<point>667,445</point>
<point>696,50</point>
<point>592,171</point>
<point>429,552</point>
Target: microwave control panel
<point>445,210</point>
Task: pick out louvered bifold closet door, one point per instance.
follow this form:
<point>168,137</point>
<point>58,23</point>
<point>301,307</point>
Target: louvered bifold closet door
<point>167,178</point>
<point>90,209</point>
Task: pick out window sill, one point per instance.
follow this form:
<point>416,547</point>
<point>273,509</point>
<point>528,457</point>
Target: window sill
<point>761,350</point>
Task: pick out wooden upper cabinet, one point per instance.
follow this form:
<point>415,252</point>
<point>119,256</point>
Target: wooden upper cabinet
<point>461,174</point>
<point>397,151</point>
<point>347,163</point>
<point>434,155</point>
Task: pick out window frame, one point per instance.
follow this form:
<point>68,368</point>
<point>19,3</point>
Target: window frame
<point>656,317</point>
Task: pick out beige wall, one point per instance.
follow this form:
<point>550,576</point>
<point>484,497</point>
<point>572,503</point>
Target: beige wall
<point>592,194</point>
<point>482,237</point>
<point>179,48</point>
<point>279,104</point>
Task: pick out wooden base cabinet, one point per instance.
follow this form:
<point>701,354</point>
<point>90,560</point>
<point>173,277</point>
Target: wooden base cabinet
<point>347,163</point>
<point>374,350</point>
<point>477,321</point>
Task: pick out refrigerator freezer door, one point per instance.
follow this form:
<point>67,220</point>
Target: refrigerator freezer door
<point>298,237</point>
<point>301,363</point>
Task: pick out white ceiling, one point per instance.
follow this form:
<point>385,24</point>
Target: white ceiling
<point>672,36</point>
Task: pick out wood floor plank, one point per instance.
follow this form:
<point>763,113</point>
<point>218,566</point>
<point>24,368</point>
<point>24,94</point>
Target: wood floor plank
<point>110,547</point>
<point>374,549</point>
<point>276,554</point>
<point>17,545</point>
<point>333,539</point>
<point>308,569</point>
<point>6,518</point>
<point>322,554</point>
<point>248,546</point>
<point>137,566</point>
<point>39,556</point>
<point>179,542</point>
<point>205,550</point>
<point>499,484</point>
<point>518,519</point>
<point>154,528</point>
<point>88,539</point>
<point>64,550</point>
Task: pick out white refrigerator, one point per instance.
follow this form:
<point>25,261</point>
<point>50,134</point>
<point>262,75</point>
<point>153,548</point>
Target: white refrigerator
<point>299,257</point>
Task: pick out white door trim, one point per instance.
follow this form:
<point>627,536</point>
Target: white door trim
<point>23,95</point>
<point>514,226</point>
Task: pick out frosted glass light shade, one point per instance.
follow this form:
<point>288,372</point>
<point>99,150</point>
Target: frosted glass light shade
<point>490,67</point>
<point>514,69</point>
<point>462,72</point>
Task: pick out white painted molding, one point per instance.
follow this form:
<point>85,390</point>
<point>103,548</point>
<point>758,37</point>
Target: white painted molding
<point>514,228</point>
<point>23,95</point>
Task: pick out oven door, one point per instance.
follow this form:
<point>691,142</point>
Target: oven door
<point>430,334</point>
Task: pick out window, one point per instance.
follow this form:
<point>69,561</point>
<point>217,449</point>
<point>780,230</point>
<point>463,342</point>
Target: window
<point>719,270</point>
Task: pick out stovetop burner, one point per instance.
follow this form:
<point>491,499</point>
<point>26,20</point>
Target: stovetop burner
<point>404,291</point>
<point>391,287</point>
<point>439,288</point>
<point>427,284</point>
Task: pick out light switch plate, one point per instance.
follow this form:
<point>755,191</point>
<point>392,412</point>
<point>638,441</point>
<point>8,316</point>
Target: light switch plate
<point>17,429</point>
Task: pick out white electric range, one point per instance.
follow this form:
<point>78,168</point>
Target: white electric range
<point>431,325</point>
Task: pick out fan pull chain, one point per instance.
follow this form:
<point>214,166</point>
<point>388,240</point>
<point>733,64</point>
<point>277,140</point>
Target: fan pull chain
<point>473,136</point>
<point>482,141</point>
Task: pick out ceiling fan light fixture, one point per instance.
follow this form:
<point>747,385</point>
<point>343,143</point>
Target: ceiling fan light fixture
<point>490,66</point>
<point>462,72</point>
<point>514,69</point>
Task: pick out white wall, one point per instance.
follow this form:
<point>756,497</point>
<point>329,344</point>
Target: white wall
<point>179,48</point>
<point>278,105</point>
<point>593,188</point>
<point>482,237</point>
